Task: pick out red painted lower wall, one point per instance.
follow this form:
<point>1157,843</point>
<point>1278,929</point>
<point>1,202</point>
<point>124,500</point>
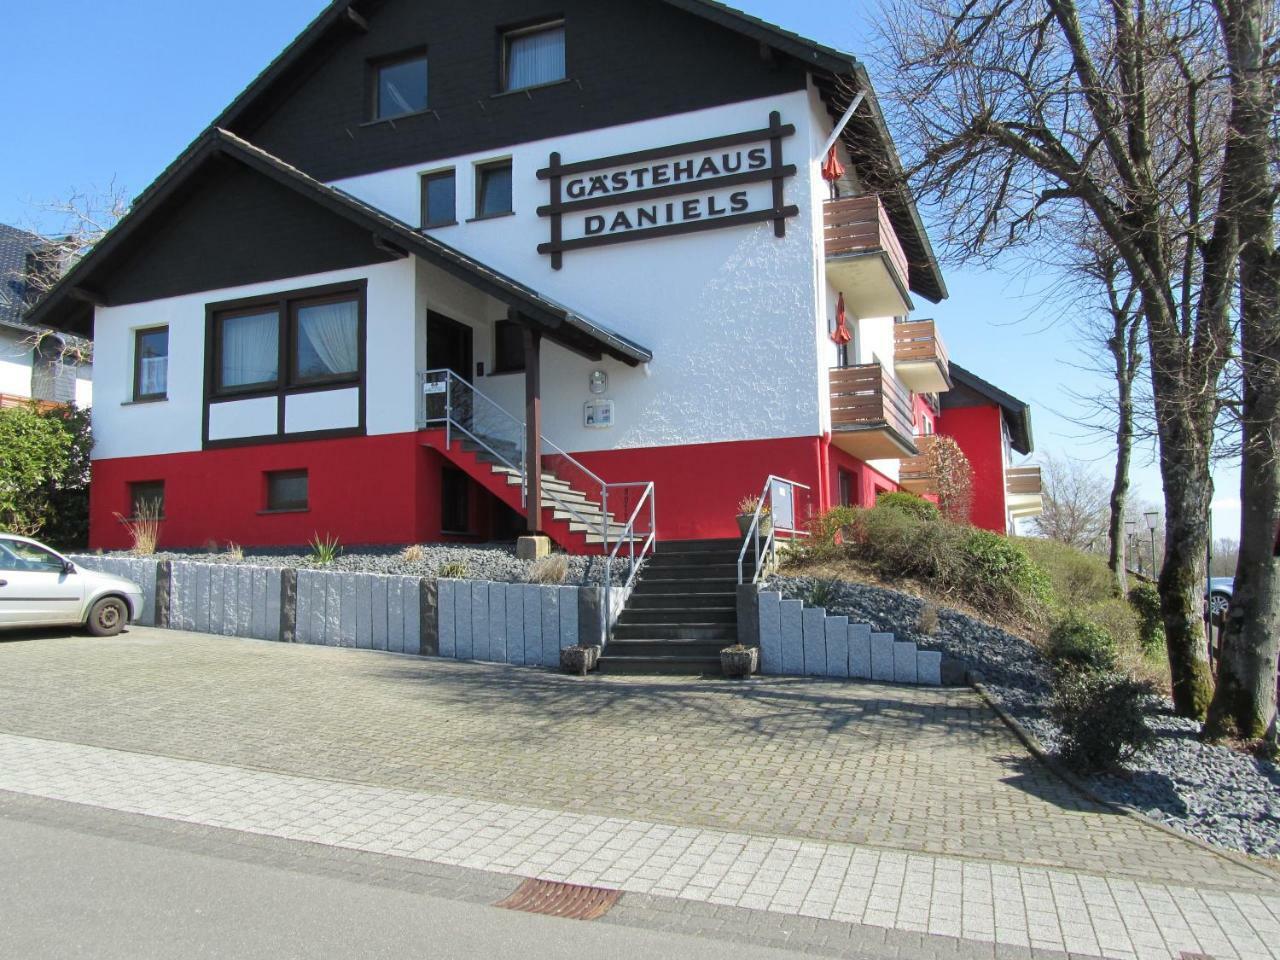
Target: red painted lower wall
<point>386,490</point>
<point>977,430</point>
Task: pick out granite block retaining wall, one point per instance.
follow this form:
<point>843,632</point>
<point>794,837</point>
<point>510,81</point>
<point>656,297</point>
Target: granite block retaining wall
<point>800,641</point>
<point>515,623</point>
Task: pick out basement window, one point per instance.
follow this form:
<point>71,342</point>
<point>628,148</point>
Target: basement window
<point>146,499</point>
<point>287,491</point>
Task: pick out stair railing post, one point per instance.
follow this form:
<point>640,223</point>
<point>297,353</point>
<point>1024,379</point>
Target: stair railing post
<point>448,410</point>
<point>604,518</point>
<point>533,427</point>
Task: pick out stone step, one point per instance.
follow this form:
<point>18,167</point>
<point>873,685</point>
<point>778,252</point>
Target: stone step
<point>660,666</point>
<point>683,600</point>
<point>653,584</point>
<point>727,632</point>
<point>697,649</point>
<point>678,614</point>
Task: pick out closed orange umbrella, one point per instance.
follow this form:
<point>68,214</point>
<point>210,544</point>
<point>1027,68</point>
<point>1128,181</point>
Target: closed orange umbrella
<point>841,335</point>
<point>832,168</point>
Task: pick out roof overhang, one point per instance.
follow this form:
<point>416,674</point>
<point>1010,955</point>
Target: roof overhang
<point>1017,413</point>
<point>69,306</point>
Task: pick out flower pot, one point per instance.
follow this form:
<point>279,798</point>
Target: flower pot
<point>579,660</point>
<point>739,663</point>
<point>744,524</point>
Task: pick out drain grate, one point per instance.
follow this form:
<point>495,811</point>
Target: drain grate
<point>561,900</point>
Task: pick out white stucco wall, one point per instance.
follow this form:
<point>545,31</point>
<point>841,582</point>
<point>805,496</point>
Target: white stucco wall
<point>731,315</point>
<point>15,363</point>
<point>125,429</point>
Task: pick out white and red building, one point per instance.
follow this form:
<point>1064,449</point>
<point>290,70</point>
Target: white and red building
<point>425,228</point>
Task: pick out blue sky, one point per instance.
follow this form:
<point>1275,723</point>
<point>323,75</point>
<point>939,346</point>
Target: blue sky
<point>98,92</point>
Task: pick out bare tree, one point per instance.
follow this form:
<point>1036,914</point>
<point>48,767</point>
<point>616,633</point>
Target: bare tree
<point>1245,700</point>
<point>1075,504</point>
<point>1025,113</point>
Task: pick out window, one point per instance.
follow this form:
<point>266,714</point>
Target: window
<point>248,350</point>
<point>146,499</point>
<point>326,341</point>
<point>439,199</point>
<point>401,87</point>
<point>320,345</point>
<point>19,557</point>
<point>534,56</point>
<point>493,190</point>
<point>508,347</point>
<point>847,495</point>
<point>455,501</point>
<point>151,364</point>
<point>287,491</point>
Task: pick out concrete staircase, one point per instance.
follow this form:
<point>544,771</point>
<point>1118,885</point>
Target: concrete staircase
<point>682,613</point>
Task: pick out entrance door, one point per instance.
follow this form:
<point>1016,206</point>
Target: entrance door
<point>450,347</point>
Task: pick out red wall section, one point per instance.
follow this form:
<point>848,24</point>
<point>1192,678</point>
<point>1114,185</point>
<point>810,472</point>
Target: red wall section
<point>364,490</point>
<point>698,487</point>
<point>977,431</point>
<point>867,483</point>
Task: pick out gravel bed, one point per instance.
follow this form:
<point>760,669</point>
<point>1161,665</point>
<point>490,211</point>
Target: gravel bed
<point>1211,792</point>
<point>496,562</point>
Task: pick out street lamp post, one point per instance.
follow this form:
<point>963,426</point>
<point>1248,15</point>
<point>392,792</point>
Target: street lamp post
<point>1131,539</point>
<point>1152,519</point>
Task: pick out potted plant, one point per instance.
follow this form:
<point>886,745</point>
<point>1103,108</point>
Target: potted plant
<point>739,662</point>
<point>747,507</point>
<point>580,659</point>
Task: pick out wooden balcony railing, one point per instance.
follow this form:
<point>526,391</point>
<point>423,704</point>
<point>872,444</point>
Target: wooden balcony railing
<point>916,473</point>
<point>868,397</point>
<point>11,400</point>
<point>1023,482</point>
<point>917,341</point>
<point>856,225</point>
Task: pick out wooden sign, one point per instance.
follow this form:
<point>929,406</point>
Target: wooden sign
<point>667,191</point>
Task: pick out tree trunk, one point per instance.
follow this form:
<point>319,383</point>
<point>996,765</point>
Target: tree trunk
<point>1186,438</point>
<point>1120,487</point>
<point>1245,701</point>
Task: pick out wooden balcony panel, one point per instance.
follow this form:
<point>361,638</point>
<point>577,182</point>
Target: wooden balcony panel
<point>44,406</point>
<point>916,473</point>
<point>871,413</point>
<point>858,225</point>
<point>1024,481</point>
<point>920,357</point>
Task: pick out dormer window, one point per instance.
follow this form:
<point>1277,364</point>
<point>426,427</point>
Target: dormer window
<point>400,87</point>
<point>533,56</point>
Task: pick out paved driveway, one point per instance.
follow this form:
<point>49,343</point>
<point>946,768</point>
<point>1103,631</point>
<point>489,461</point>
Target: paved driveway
<point>922,770</point>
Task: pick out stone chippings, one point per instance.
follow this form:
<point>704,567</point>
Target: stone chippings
<point>1211,792</point>
<point>495,562</point>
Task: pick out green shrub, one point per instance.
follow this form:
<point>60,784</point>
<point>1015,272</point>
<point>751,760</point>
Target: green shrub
<point>1076,645</point>
<point>909,503</point>
<point>826,528</point>
<point>1116,617</point>
<point>1144,598</point>
<point>453,571</point>
<point>1102,719</point>
<point>1001,577</point>
<point>901,545</point>
<point>823,593</point>
<point>325,550</point>
<point>44,473</point>
<point>1078,578</point>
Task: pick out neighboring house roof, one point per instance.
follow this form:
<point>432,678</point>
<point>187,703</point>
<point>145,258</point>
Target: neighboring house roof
<point>15,247</point>
<point>1017,413</point>
<point>68,305</point>
<point>839,78</point>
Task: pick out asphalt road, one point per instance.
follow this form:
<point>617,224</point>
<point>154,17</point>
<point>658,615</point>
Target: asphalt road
<point>67,894</point>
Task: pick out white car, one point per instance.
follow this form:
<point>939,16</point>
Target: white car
<point>41,588</point>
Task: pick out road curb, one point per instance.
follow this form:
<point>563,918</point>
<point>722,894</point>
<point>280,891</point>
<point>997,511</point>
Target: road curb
<point>1037,749</point>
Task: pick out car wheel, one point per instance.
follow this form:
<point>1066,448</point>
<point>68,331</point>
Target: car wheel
<point>107,617</point>
<point>1218,604</point>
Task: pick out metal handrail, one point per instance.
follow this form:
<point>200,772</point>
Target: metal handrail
<point>628,536</point>
<point>771,539</point>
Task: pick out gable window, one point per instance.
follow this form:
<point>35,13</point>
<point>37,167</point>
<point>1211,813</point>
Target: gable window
<point>288,491</point>
<point>493,189</point>
<point>439,199</point>
<point>401,87</point>
<point>151,364</point>
<point>534,56</point>
<point>146,499</point>
<point>326,341</point>
<point>508,347</point>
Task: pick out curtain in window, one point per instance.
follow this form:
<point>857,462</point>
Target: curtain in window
<point>153,376</point>
<point>328,337</point>
<point>250,350</point>
<point>535,58</point>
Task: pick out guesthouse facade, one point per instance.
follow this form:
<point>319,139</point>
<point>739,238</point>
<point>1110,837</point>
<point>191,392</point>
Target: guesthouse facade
<point>448,273</point>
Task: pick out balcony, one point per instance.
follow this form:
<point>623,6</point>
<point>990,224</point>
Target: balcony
<point>865,261</point>
<point>1024,491</point>
<point>916,473</point>
<point>920,357</point>
<point>870,413</point>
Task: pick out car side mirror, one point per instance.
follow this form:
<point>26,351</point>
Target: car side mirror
<point>68,567</point>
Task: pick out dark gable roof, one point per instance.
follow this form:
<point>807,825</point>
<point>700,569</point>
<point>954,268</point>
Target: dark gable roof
<point>1017,414</point>
<point>838,76</point>
<point>15,246</point>
<point>68,305</point>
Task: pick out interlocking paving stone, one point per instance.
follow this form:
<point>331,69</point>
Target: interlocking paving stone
<point>912,769</point>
